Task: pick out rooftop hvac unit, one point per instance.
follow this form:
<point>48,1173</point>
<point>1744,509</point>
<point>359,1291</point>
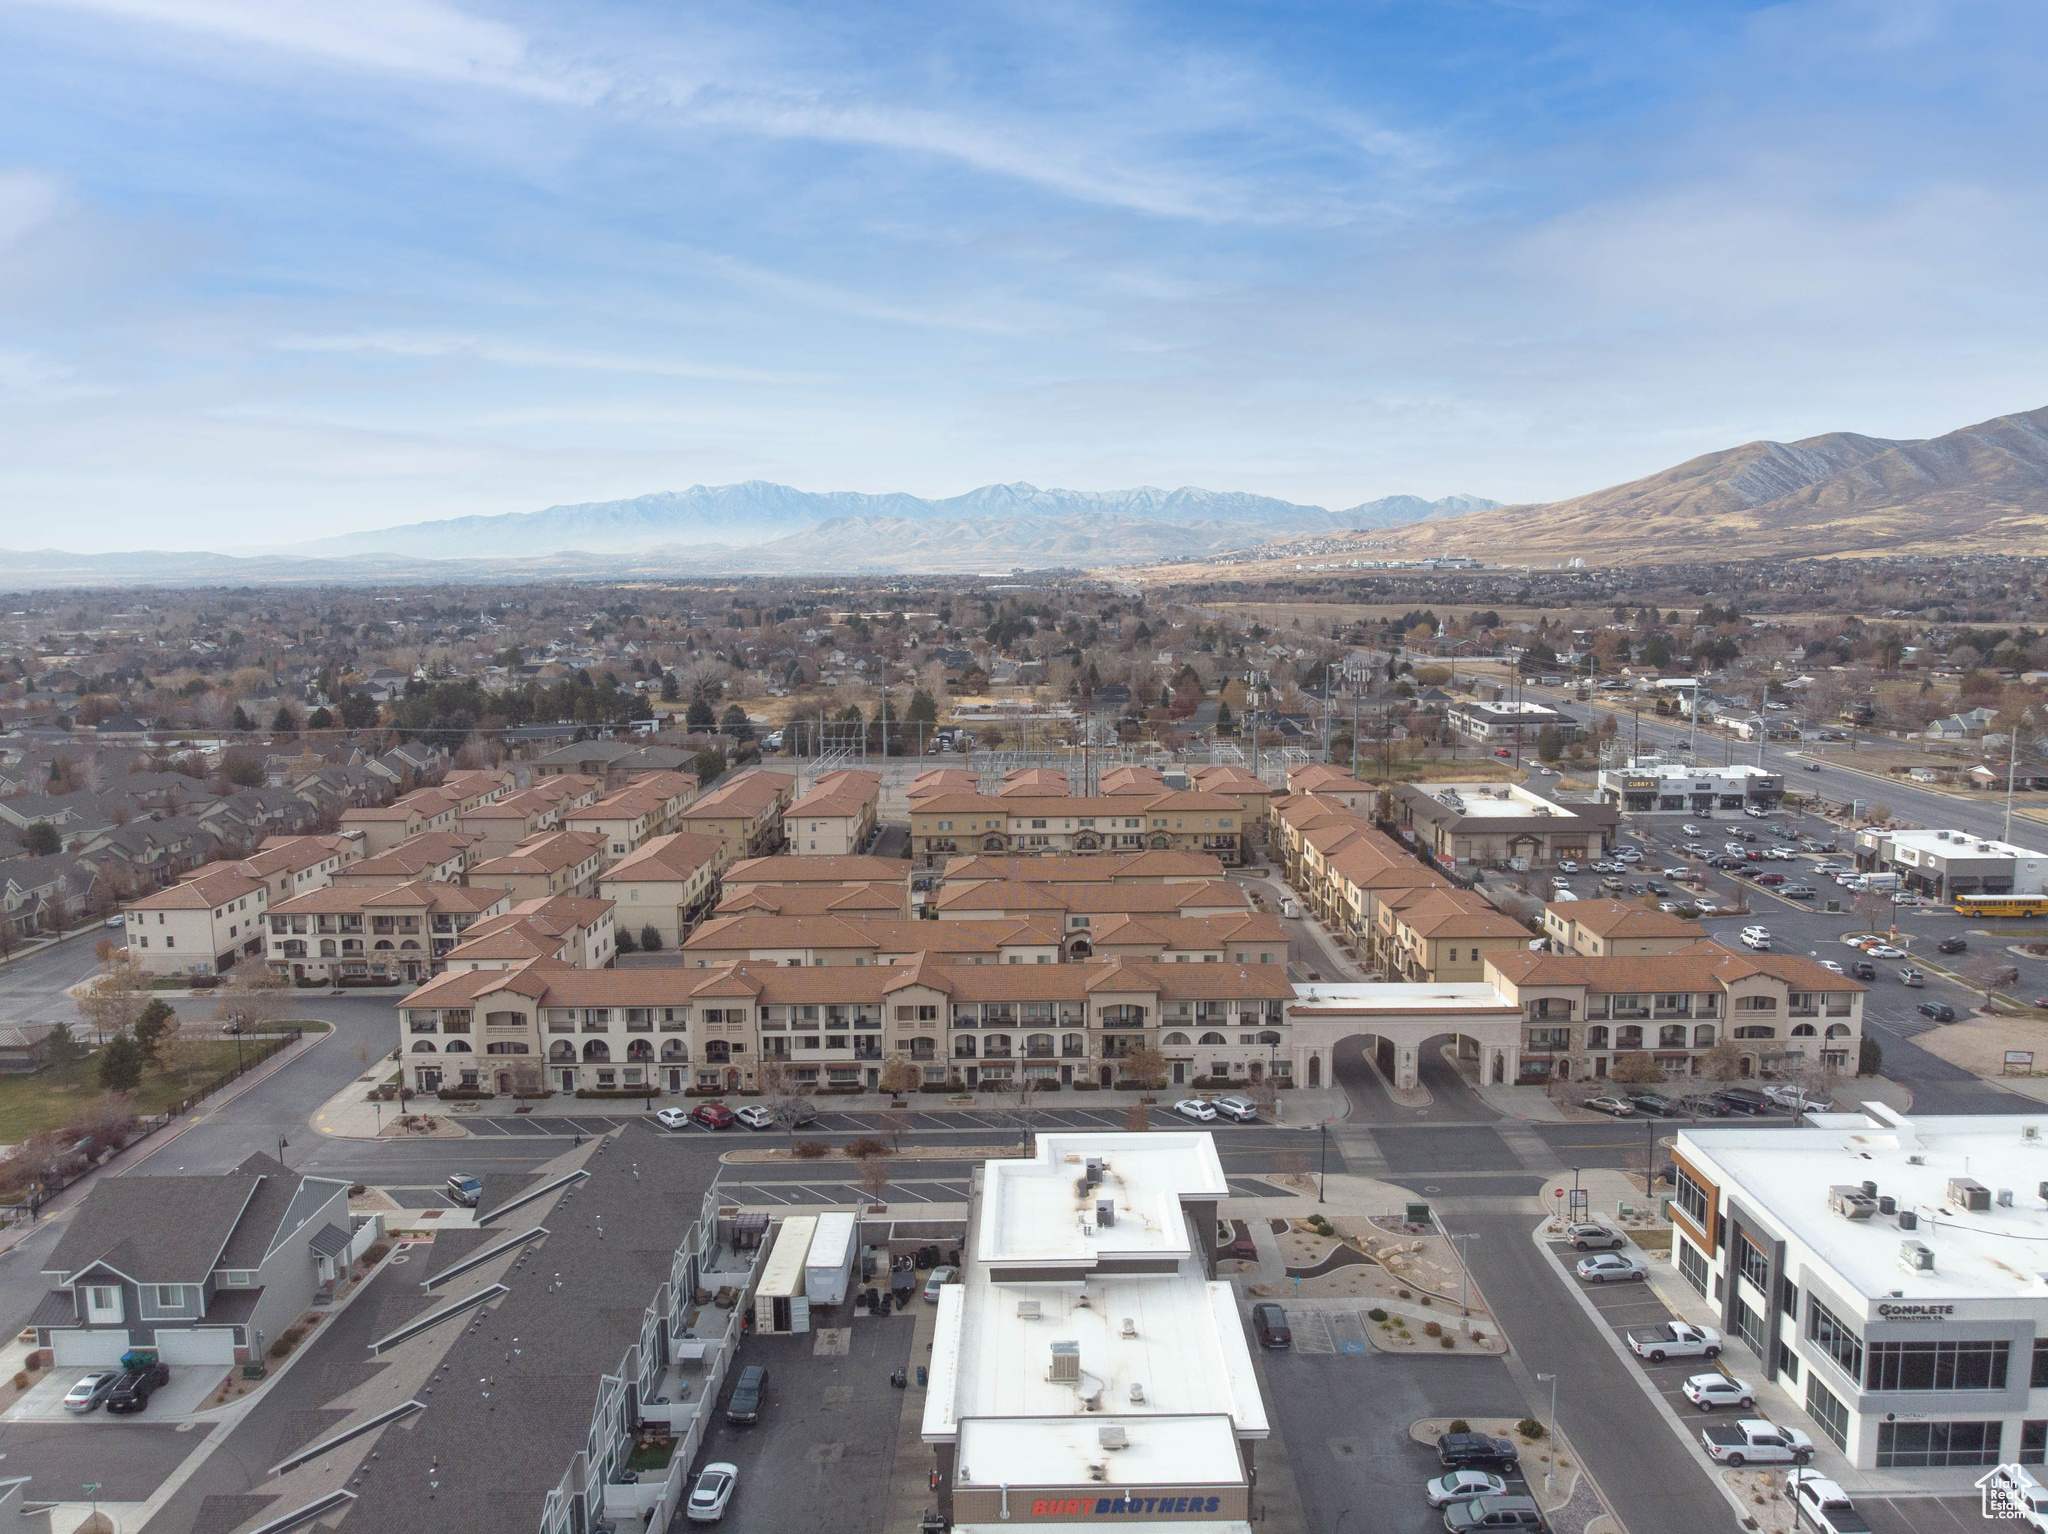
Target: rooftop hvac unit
<point>1137,1394</point>
<point>1027,1310</point>
<point>1909,1219</point>
<point>1968,1193</point>
<point>2005,1198</point>
<point>1096,1167</point>
<point>1851,1202</point>
<point>1113,1437</point>
<point>1098,1472</point>
<point>2030,1132</point>
<point>1886,1204</point>
<point>1066,1364</point>
<point>1916,1257</point>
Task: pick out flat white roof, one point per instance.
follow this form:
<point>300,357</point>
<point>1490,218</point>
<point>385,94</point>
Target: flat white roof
<point>1162,1354</point>
<point>1958,844</point>
<point>1995,1253</point>
<point>1448,996</point>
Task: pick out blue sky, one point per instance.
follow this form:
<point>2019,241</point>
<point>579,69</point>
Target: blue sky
<point>280,269</point>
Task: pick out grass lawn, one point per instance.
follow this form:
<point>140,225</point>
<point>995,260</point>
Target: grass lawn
<point>30,1104</point>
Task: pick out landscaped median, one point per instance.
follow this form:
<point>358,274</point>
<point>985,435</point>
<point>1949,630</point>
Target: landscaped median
<point>1561,1485</point>
<point>1404,1277</point>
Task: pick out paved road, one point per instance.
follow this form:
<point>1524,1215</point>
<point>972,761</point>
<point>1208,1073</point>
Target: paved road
<point>32,988</point>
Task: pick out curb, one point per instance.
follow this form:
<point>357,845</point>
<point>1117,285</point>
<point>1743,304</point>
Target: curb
<point>1657,1402</point>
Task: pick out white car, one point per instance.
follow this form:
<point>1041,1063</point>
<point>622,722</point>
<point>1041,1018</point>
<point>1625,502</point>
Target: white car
<point>1832,966</point>
<point>1290,909</point>
<point>1239,1110</point>
<point>1567,866</point>
<point>1612,1267</point>
<point>1194,1108</point>
<point>1674,1339</point>
<point>672,1118</point>
<point>1885,951</point>
<point>1463,1486</point>
<point>1691,830</point>
<point>1756,938</point>
<point>1705,907</point>
<point>1627,855</point>
<point>1735,847</point>
<point>754,1116</point>
<point>708,1498</point>
<point>1707,1391</point>
<point>89,1392</point>
<point>938,1281</point>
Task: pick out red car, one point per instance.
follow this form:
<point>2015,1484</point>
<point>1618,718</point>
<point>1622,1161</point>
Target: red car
<point>713,1116</point>
<point>1502,751</point>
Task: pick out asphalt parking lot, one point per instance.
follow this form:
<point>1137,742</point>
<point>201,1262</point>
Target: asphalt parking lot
<point>918,1121</point>
<point>1623,1306</point>
<point>1344,1418</point>
<point>821,1456</point>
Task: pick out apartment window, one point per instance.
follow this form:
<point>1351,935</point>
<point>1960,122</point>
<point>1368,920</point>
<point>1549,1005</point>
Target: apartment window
<point>2034,1443</point>
<point>102,1303</point>
<point>1929,1445</point>
<point>1835,1337</point>
<point>1937,1366</point>
<point>1788,1298</point>
<point>170,1296</point>
<point>1753,1265</point>
<point>1788,1362</point>
<point>1825,1409</point>
<point>2040,1376</point>
<point>238,1278</point>
<point>1692,1265</point>
<point>1749,1326</point>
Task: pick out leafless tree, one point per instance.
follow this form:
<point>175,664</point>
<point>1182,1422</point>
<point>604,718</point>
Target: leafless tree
<point>253,999</point>
<point>116,996</point>
<point>874,1177</point>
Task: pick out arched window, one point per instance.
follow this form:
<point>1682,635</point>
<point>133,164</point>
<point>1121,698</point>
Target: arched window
<point>598,1051</point>
<point>1802,1031</point>
<point>996,1047</point>
<point>675,1049</point>
<point>1596,1037</point>
<point>963,1047</point>
<point>1214,1038</point>
<point>1703,1036</point>
<point>1838,1030</point>
<point>1074,1045</point>
<point>382,945</point>
<point>640,1050</point>
<point>1038,1046</point>
<point>423,1047</point>
<point>327,948</point>
<point>410,945</point>
<point>717,1052</point>
<point>1629,1037</point>
<point>1671,1036</point>
<point>563,1051</point>
<point>1269,1037</point>
<point>1174,1038</point>
<point>456,1047</point>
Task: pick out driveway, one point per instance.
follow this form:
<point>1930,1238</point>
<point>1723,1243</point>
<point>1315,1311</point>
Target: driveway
<point>191,1387</point>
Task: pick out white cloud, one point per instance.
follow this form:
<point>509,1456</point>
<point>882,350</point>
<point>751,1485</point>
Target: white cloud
<point>28,201</point>
<point>514,354</point>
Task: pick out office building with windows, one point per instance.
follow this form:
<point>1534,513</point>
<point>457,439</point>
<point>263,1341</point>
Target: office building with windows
<point>1891,1274</point>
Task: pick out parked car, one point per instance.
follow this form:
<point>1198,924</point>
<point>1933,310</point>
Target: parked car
<point>1951,945</point>
<point>1822,1505</point>
<point>133,1389</point>
<point>1707,1391</point>
<point>1194,1108</point>
<point>1758,938</point>
<point>89,1393</point>
<point>1753,1441</point>
<point>713,1116</point>
<point>1798,892</point>
<point>1463,1486</point>
<point>1476,1451</point>
<point>1567,866</point>
<point>672,1118</point>
<point>1239,1110</point>
<point>1832,967</point>
<point>464,1190</point>
<point>1912,977</point>
<point>939,1279</point>
<point>1612,1268</point>
<point>1269,1325</point>
<point>712,1492</point>
<point>1862,969</point>
<point>1691,830</point>
<point>1940,1011</point>
<point>1705,1105</point>
<point>1796,1100</point>
<point>1617,1107</point>
<point>1674,1339</point>
<point>1588,1237</point>
<point>1744,1100</point>
<point>1770,881</point>
<point>748,1396</point>
<point>1494,1513</point>
<point>753,1116</point>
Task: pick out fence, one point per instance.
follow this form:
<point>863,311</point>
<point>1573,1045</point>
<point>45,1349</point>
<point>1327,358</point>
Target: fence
<point>25,1204</point>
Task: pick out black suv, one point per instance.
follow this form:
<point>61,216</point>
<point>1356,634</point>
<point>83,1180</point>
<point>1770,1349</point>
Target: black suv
<point>1940,1011</point>
<point>1743,1100</point>
<point>1951,945</point>
<point>1476,1451</point>
<point>1269,1323</point>
<point>133,1390</point>
<point>1656,1107</point>
<point>744,1404</point>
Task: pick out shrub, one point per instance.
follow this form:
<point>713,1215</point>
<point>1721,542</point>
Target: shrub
<point>1087,1086</point>
<point>1529,1428</point>
<point>1405,1294</point>
<point>938,1086</point>
<point>376,1254</point>
<point>1432,1328</point>
<point>868,1145</point>
<point>21,1380</point>
<point>1377,1314</point>
<point>809,1150</point>
<point>1449,1341</point>
<point>1460,1425</point>
<point>1478,1336</point>
<point>1425,1300</point>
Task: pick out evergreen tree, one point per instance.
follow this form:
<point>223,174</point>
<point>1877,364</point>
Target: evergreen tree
<point>152,1029</point>
<point>120,1064</point>
<point>284,722</point>
<point>242,721</point>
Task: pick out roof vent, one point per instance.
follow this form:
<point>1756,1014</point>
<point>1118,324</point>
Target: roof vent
<point>1098,1472</point>
<point>1113,1437</point>
<point>1131,1326</point>
<point>1066,1364</point>
<point>1027,1310</point>
<point>1916,1257</point>
<point>1916,1161</point>
<point>1105,1212</point>
<point>1137,1394</point>
<point>1851,1202</point>
<point>1968,1193</point>
<point>2030,1132</point>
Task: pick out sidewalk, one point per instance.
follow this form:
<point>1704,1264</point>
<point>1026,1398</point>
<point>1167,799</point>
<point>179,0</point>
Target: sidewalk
<point>132,1156</point>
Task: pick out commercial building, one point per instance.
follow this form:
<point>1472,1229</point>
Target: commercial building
<point>1642,787</point>
<point>1500,825</point>
<point>1506,723</point>
<point>1088,1367</point>
<point>1885,1272</point>
<point>1945,864</point>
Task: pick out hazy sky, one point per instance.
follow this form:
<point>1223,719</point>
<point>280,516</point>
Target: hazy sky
<point>284,268</point>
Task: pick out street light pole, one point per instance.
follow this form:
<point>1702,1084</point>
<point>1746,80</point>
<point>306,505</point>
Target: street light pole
<point>2012,765</point>
<point>1323,1177</point>
<point>1550,1465</point>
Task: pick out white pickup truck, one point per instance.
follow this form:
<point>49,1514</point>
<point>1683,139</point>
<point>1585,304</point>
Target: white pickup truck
<point>1756,1442</point>
<point>1675,1339</point>
<point>1819,1504</point>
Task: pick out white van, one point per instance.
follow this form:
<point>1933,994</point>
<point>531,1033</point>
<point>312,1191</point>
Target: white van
<point>1290,907</point>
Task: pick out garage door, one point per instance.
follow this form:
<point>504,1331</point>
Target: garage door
<point>87,1350</point>
<point>207,1345</point>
